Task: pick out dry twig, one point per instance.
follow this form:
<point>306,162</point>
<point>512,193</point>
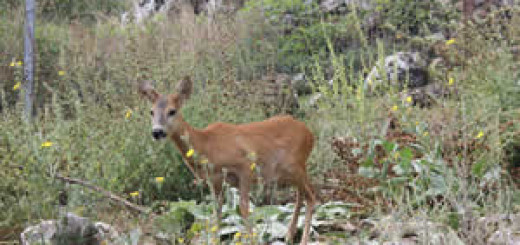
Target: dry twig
<point>105,193</point>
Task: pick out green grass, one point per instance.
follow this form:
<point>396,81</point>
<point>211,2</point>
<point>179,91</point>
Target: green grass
<point>92,125</point>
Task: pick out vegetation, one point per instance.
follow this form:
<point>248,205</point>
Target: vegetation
<point>380,156</point>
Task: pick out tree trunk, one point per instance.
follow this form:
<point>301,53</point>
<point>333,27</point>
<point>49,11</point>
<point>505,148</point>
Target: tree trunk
<point>29,58</point>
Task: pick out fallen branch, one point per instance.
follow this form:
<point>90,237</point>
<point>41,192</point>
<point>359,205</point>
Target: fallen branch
<point>105,193</point>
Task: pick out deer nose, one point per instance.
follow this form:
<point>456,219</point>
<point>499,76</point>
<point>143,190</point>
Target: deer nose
<point>158,134</point>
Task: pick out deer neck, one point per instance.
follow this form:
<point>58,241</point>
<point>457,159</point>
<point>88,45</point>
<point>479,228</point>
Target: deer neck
<point>182,142</point>
<point>193,137</point>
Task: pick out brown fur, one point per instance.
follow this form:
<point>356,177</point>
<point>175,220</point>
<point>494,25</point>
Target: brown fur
<point>281,146</point>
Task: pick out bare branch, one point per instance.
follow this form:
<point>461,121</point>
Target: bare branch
<point>105,193</point>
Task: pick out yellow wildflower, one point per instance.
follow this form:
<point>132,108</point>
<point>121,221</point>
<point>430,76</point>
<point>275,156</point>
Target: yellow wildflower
<point>425,134</point>
<point>17,86</point>
<point>396,155</point>
<point>450,42</point>
<point>204,161</point>
<point>190,153</point>
<point>12,64</point>
<point>134,194</point>
<point>238,243</point>
<point>399,36</point>
<point>451,81</point>
<point>61,73</point>
<point>480,134</point>
<point>416,123</point>
<point>394,108</point>
<point>159,179</point>
<point>254,234</point>
<point>128,113</point>
<point>409,99</point>
<point>214,228</point>
<point>180,240</point>
<point>47,144</point>
<point>253,166</point>
<point>237,235</point>
<point>19,63</point>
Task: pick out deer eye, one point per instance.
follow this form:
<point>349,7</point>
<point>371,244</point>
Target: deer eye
<point>172,112</point>
<point>151,112</point>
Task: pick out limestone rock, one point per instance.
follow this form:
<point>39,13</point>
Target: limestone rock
<point>71,229</point>
<point>343,5</point>
<point>402,69</point>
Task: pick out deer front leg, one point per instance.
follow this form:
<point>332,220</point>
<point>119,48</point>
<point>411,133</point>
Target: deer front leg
<point>217,182</point>
<point>244,187</point>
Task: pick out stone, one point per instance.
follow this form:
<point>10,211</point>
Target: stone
<point>300,84</point>
<point>390,231</point>
<point>343,5</point>
<point>506,236</point>
<point>144,9</point>
<point>430,94</point>
<point>501,228</point>
<point>71,229</point>
<point>313,100</point>
<point>38,233</point>
<point>402,69</point>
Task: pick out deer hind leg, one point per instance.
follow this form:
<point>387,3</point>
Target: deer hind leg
<point>294,221</point>
<point>310,199</point>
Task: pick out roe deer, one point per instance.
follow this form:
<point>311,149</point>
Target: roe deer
<point>280,145</point>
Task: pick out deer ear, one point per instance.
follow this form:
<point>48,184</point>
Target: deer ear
<point>184,89</point>
<point>147,90</point>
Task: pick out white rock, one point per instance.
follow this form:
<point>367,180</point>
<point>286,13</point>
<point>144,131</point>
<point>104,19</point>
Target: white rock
<point>70,225</point>
<point>398,67</point>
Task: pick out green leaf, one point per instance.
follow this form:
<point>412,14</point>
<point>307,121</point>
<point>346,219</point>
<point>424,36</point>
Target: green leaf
<point>479,168</point>
<point>368,172</point>
<point>368,163</point>
<point>438,185</point>
<point>406,153</point>
<point>406,158</point>
<point>398,181</point>
<point>389,146</point>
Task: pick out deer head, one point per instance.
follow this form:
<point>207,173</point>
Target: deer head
<point>165,111</point>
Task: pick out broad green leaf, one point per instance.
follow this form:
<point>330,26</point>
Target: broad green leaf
<point>368,172</point>
<point>479,168</point>
<point>389,146</point>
